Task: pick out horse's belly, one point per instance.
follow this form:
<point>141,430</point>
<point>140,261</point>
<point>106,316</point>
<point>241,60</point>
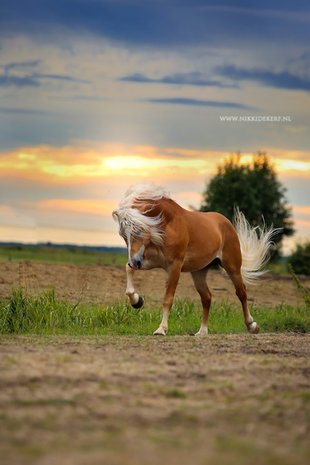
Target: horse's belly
<point>196,261</point>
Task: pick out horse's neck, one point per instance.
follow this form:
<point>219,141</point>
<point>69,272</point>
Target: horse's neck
<point>168,207</point>
<point>171,208</point>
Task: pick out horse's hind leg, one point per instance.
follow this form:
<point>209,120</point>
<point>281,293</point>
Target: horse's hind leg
<point>234,273</point>
<point>135,299</point>
<point>199,278</point>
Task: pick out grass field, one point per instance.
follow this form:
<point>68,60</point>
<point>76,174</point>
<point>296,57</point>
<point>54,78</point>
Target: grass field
<point>41,312</point>
<point>50,254</point>
<point>80,255</point>
<point>44,314</point>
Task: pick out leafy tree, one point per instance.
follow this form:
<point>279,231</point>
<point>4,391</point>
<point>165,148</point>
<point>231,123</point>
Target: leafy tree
<point>300,259</point>
<point>255,189</point>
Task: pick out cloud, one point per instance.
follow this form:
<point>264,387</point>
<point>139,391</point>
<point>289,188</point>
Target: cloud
<point>60,77</point>
<point>199,103</point>
<point>188,79</point>
<point>83,163</point>
<point>25,111</point>
<point>17,81</point>
<point>34,80</point>
<point>159,23</point>
<point>280,80</point>
<point>20,74</point>
<point>82,206</point>
<point>89,163</point>
<point>21,65</point>
<point>25,74</point>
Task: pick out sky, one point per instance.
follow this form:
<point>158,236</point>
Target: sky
<point>96,95</point>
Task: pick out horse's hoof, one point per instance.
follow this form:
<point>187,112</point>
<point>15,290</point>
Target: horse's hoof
<point>201,333</point>
<point>139,304</point>
<point>253,328</point>
<point>159,332</point>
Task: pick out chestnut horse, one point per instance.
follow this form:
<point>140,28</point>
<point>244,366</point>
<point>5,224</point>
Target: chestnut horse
<point>159,233</point>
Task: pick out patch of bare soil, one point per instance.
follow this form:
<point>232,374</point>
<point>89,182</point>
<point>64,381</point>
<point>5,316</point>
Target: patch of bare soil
<point>236,399</point>
<point>106,284</point>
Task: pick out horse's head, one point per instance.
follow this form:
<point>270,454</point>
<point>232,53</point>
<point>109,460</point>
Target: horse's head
<point>137,245</point>
<point>140,232</point>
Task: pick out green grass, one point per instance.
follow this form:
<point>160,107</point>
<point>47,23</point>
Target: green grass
<point>76,255</point>
<point>44,314</point>
<point>278,267</point>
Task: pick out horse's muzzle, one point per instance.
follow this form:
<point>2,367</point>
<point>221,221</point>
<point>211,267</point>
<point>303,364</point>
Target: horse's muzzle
<point>135,264</point>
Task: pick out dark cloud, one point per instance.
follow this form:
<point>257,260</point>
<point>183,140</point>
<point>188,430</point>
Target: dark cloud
<point>279,80</point>
<point>20,65</point>
<point>162,23</point>
<point>191,79</point>
<point>34,80</point>
<point>17,81</point>
<point>199,103</point>
<point>30,77</point>
<point>60,77</point>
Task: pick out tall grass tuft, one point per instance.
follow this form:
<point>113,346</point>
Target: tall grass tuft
<point>45,314</point>
<point>304,291</point>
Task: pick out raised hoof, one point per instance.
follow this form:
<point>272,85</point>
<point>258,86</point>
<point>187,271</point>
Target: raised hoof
<point>159,332</point>
<point>253,328</point>
<point>139,304</point>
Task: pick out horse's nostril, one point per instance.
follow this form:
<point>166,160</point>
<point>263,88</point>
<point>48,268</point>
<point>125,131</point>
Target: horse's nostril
<point>138,264</point>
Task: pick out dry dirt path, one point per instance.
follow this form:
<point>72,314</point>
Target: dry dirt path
<point>106,284</point>
<point>237,399</point>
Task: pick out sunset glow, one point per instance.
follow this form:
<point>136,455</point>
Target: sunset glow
<point>72,162</point>
<point>100,176</point>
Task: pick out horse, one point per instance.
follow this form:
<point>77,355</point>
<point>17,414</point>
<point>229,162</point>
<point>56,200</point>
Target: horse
<point>159,233</point>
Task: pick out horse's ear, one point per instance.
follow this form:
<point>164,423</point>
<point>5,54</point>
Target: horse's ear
<point>115,215</point>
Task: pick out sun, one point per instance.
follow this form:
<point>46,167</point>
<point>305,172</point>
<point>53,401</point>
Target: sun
<point>120,163</point>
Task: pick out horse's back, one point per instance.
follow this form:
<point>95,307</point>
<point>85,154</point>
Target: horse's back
<point>211,221</point>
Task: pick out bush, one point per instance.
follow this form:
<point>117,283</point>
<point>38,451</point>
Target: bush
<point>305,292</point>
<point>300,259</point>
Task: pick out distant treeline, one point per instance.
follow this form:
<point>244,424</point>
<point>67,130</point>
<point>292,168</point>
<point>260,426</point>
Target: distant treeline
<point>52,245</point>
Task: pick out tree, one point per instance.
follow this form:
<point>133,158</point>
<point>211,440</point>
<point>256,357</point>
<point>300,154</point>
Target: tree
<point>300,259</point>
<point>255,189</point>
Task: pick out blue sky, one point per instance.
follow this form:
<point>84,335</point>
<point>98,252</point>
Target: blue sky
<point>109,77</point>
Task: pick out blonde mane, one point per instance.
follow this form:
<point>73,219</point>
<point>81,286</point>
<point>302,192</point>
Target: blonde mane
<point>132,221</point>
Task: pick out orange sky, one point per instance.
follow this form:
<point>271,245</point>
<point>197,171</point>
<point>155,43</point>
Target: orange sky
<point>67,194</point>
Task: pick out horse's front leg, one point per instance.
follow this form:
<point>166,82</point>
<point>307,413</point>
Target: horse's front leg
<point>135,299</point>
<point>172,282</point>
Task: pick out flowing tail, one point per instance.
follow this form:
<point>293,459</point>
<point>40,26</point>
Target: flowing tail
<point>255,244</point>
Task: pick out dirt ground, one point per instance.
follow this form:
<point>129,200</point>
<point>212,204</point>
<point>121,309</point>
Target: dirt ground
<point>106,284</point>
<point>236,399</point>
